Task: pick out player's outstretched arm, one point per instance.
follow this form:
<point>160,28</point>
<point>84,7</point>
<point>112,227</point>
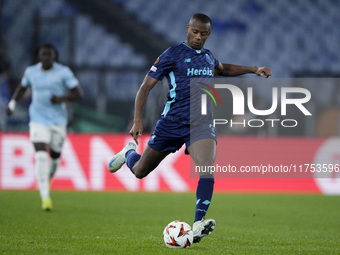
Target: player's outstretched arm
<point>72,95</point>
<point>236,70</point>
<point>140,101</point>
<point>18,94</point>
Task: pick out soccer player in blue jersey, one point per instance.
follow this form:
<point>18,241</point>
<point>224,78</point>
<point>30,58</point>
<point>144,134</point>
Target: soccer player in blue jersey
<point>52,85</point>
<point>178,64</point>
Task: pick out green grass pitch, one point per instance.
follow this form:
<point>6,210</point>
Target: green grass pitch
<point>132,223</point>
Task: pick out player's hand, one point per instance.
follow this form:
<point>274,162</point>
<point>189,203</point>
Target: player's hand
<point>55,99</point>
<point>136,130</point>
<point>10,107</point>
<point>9,111</point>
<point>264,71</point>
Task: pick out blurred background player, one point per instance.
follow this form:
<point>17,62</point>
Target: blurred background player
<point>52,85</point>
<point>180,63</point>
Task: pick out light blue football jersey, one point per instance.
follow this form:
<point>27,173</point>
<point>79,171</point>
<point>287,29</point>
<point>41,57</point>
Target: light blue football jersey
<point>44,84</point>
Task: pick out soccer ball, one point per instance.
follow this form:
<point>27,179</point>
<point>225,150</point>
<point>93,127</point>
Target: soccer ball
<point>178,234</point>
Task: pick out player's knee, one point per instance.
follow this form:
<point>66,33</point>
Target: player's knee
<point>55,155</point>
<point>40,146</point>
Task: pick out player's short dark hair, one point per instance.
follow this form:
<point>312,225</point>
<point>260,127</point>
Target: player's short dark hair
<point>202,17</point>
<point>47,46</point>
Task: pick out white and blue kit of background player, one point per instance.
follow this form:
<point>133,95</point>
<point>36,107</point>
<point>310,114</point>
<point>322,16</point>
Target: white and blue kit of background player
<point>48,121</point>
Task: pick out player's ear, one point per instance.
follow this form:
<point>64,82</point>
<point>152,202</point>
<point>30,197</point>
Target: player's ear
<point>209,31</point>
<point>187,29</point>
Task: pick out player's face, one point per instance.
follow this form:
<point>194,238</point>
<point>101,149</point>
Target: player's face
<point>46,57</point>
<point>197,33</point>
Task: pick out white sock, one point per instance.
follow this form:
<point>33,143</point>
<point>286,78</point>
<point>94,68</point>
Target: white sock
<point>54,163</point>
<point>41,168</point>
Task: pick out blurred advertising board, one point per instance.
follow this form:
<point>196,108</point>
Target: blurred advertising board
<point>244,164</point>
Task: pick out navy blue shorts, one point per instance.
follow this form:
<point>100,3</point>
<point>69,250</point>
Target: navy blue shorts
<point>170,136</point>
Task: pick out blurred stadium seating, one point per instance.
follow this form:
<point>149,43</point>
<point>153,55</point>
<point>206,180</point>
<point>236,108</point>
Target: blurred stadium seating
<point>295,38</point>
<point>291,36</point>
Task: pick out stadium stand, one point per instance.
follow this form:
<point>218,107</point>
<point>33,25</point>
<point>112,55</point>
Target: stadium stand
<point>291,36</point>
<point>88,48</point>
<point>296,38</point>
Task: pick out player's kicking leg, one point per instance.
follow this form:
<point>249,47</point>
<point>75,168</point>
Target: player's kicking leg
<point>119,159</point>
<point>139,165</point>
